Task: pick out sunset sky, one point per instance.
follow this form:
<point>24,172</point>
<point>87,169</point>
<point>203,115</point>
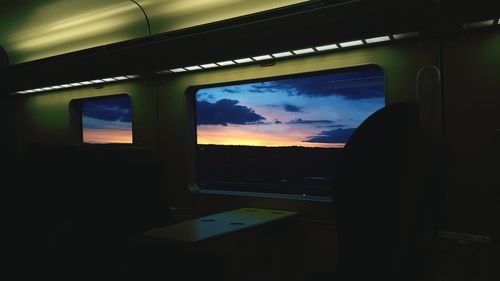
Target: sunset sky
<point>315,111</point>
<point>107,120</point>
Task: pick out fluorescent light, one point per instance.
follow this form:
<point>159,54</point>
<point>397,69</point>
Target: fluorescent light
<point>282,54</point>
<point>29,91</point>
<point>377,39</point>
<point>209,65</point>
<point>177,70</point>
<point>37,90</point>
<point>75,84</point>
<point>119,78</point>
<point>132,76</point>
<point>326,47</point>
<point>65,85</point>
<point>224,63</point>
<point>46,89</point>
<point>351,43</point>
<point>263,57</point>
<point>56,87</point>
<point>405,35</point>
<point>194,67</point>
<point>479,24</point>
<point>244,60</point>
<point>303,51</point>
<point>163,72</point>
<point>21,92</point>
<point>87,83</point>
<point>109,79</point>
<point>97,81</point>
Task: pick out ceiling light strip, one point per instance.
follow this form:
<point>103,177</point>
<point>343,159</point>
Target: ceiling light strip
<point>326,47</point>
<point>406,35</point>
<point>244,60</point>
<point>351,43</point>
<point>377,39</point>
<point>478,24</point>
<point>77,84</point>
<point>278,55</point>
<point>282,54</point>
<point>194,67</point>
<point>304,51</point>
<point>209,65</point>
<point>226,63</point>
<point>262,57</point>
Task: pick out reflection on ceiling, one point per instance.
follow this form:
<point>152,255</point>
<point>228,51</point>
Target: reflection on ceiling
<point>41,29</point>
<point>34,29</point>
<point>171,15</point>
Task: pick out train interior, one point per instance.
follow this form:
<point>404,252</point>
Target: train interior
<point>251,140</point>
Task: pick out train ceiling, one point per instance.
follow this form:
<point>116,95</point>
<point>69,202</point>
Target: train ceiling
<point>70,40</point>
<point>34,29</point>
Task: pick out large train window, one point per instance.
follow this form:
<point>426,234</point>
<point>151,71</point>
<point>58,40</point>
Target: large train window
<point>106,120</point>
<point>283,135</point>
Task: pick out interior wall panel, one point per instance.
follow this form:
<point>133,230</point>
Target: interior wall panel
<point>46,118</point>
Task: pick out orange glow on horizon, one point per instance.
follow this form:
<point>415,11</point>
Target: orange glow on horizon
<point>107,136</point>
<point>238,136</point>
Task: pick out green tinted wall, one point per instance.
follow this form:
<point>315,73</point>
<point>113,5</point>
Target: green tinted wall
<point>400,63</point>
<point>46,118</point>
<point>472,111</point>
<point>33,29</point>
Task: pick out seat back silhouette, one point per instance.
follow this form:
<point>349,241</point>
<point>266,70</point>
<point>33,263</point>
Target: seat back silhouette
<point>95,203</point>
<point>389,191</point>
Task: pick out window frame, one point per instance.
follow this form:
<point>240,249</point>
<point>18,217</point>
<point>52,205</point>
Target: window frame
<point>77,119</point>
<point>191,131</point>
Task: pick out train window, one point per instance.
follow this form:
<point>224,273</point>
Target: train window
<point>284,135</point>
<point>106,120</point>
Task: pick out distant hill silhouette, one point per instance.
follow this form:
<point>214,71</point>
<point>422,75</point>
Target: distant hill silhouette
<point>287,169</point>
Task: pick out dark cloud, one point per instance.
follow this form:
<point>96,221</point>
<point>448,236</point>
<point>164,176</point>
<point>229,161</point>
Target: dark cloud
<point>108,125</point>
<point>231,90</point>
<point>264,87</point>
<point>277,122</point>
<point>332,126</point>
<point>108,109</point>
<point>292,108</point>
<point>204,96</point>
<point>301,121</point>
<point>224,112</point>
<point>287,107</point>
<point>333,136</point>
<point>353,85</point>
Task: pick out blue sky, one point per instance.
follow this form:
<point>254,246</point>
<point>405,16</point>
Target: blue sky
<point>107,120</point>
<point>321,110</point>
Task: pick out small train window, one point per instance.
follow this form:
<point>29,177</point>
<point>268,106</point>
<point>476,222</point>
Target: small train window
<point>106,120</point>
<point>284,135</point>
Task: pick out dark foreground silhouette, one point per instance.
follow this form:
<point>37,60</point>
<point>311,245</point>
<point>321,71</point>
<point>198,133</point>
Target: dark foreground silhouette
<point>291,170</point>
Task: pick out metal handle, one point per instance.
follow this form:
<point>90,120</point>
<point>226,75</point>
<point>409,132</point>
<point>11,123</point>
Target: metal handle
<point>429,98</point>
